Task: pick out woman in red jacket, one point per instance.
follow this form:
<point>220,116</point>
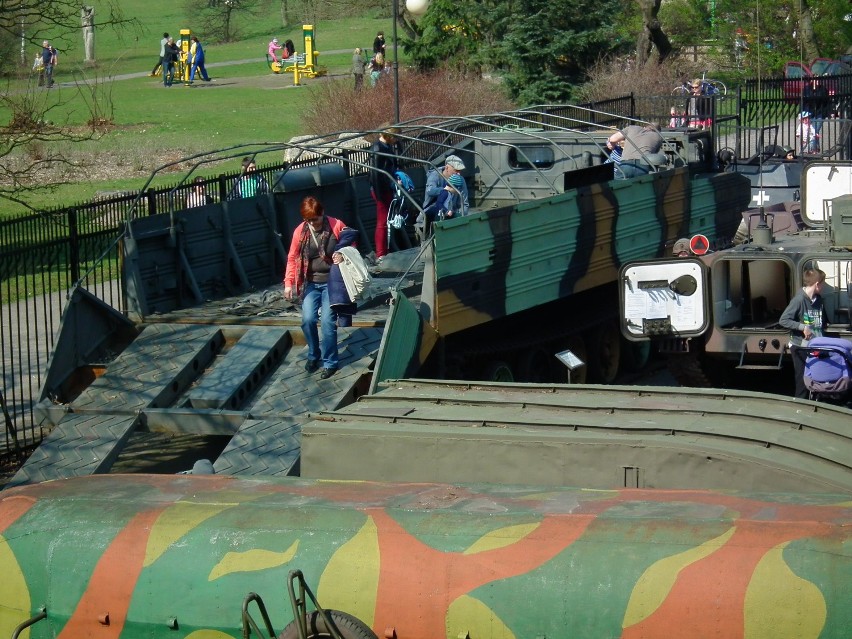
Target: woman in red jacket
<point>309,261</point>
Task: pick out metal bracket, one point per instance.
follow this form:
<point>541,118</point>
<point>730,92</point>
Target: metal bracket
<point>300,609</point>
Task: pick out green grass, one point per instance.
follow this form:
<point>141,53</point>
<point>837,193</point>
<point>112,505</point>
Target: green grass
<point>154,125</point>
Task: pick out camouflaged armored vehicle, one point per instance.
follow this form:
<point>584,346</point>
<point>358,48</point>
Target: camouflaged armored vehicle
<point>716,315</point>
<point>674,525</point>
<point>209,345</point>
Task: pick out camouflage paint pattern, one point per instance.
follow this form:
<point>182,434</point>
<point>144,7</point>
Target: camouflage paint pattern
<point>492,264</point>
<point>428,560</point>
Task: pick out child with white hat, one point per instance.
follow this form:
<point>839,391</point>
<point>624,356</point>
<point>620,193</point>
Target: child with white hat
<point>806,134</point>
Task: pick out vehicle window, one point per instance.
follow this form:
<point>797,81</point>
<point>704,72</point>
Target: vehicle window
<point>820,66</point>
<point>531,157</point>
<point>793,71</point>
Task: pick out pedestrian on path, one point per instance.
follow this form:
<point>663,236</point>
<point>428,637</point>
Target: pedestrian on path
<point>358,64</point>
<point>196,59</point>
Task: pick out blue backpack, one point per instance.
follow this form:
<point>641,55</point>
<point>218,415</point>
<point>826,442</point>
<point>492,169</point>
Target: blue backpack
<point>405,181</point>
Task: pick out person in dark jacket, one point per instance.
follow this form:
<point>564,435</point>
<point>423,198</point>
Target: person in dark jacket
<point>171,54</point>
<point>379,44</point>
<point>384,158</point>
<point>815,100</point>
<point>805,318</point>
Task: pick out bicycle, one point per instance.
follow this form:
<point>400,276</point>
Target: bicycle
<point>708,87</point>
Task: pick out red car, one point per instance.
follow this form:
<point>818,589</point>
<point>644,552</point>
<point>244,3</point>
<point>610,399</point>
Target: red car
<point>796,74</point>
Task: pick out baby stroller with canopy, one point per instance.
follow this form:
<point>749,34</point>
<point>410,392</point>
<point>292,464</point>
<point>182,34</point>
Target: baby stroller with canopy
<point>827,369</point>
<point>398,211</point>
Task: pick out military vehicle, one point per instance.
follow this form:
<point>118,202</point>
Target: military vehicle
<point>207,339</point>
<point>717,314</point>
<point>153,556</point>
<point>676,524</point>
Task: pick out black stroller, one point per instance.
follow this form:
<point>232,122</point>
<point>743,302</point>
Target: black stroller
<point>398,213</point>
<point>828,369</point>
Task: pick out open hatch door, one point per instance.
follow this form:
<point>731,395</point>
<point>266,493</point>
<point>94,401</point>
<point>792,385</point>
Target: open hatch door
<point>667,298</point>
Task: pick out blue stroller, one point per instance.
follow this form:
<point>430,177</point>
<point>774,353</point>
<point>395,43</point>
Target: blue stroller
<point>827,369</point>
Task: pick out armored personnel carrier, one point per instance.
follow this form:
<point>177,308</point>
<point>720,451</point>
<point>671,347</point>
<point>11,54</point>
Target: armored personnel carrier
<point>673,526</point>
<point>209,345</point>
<point>716,314</point>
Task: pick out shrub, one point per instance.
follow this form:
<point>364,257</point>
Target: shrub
<point>337,106</point>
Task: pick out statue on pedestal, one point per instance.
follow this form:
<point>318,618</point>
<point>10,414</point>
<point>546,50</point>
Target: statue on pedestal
<point>87,19</point>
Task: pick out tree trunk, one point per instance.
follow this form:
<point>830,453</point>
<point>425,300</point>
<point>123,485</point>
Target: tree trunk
<point>652,34</point>
<point>806,31</point>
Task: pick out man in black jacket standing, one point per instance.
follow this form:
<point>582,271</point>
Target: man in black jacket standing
<point>384,160</point>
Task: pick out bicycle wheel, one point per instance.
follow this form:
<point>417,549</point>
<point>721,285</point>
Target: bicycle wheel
<point>682,90</point>
<point>719,87</point>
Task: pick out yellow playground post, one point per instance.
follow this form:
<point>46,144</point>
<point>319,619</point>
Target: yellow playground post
<point>184,62</point>
<point>311,69</point>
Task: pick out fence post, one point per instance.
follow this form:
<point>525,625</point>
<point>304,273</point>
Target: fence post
<point>151,196</point>
<point>73,245</point>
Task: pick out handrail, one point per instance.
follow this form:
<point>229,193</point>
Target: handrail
<point>249,621</point>
<point>299,605</point>
<point>29,622</point>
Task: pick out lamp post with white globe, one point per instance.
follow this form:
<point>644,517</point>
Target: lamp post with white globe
<point>416,8</point>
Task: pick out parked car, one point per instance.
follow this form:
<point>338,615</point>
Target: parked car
<point>797,74</point>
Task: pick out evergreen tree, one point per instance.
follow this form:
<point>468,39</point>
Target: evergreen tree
<point>549,52</point>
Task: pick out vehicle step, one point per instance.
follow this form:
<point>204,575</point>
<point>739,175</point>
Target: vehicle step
<point>238,373</point>
<point>81,444</point>
<point>154,370</point>
<point>758,367</point>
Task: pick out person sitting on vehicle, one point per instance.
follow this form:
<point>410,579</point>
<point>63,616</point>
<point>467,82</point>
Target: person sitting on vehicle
<point>641,150</point>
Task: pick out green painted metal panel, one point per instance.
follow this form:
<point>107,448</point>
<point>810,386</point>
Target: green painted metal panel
<point>429,560</point>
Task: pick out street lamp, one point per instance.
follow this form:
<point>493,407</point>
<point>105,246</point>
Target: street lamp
<point>395,64</point>
<point>415,8</point>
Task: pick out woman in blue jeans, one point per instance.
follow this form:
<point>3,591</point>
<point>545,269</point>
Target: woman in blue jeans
<point>309,262</point>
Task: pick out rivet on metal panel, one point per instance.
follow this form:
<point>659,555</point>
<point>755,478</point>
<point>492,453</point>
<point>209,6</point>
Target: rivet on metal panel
<point>172,623</point>
<point>390,632</point>
<point>103,619</point>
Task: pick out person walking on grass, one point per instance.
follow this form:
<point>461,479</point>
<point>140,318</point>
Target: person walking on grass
<point>159,64</point>
<point>48,60</point>
<point>171,55</point>
<point>196,59</point>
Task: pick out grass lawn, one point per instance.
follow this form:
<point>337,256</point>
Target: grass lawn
<point>245,103</point>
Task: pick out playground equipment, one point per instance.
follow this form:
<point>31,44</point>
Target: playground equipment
<point>305,64</point>
<point>182,70</point>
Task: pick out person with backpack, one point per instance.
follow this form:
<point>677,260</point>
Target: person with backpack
<point>384,162</point>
